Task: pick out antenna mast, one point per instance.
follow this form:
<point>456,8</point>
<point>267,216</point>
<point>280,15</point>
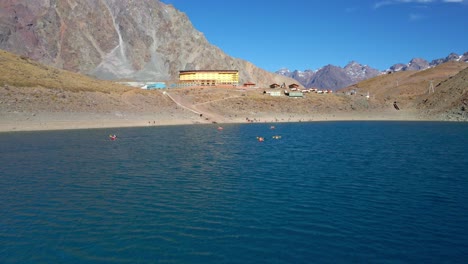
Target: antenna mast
<point>431,87</point>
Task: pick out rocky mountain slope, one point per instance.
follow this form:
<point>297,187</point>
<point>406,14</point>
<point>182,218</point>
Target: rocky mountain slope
<point>143,40</point>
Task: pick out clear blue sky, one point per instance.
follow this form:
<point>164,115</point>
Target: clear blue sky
<point>309,34</point>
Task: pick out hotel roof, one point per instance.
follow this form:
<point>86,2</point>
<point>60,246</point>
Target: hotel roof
<point>209,71</point>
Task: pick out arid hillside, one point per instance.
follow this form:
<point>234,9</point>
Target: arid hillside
<point>28,86</point>
<point>31,93</point>
<point>449,98</point>
<point>438,93</point>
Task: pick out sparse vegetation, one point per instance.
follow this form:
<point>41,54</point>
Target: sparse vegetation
<point>29,87</point>
<point>23,72</point>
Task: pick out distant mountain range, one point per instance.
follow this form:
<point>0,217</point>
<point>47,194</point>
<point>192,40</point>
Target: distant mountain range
<point>334,77</point>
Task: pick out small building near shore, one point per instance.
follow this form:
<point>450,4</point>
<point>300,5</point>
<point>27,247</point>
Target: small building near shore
<point>274,85</point>
<point>249,84</point>
<point>293,86</point>
<point>154,85</point>
<point>296,94</point>
<point>146,85</point>
<point>275,93</point>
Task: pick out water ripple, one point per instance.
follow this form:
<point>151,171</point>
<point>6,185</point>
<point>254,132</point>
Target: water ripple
<point>340,192</point>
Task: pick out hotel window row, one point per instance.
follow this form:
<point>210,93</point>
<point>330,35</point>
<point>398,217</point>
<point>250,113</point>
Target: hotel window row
<point>209,78</point>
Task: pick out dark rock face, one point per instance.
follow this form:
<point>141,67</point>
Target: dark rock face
<point>417,64</point>
<point>116,39</point>
<point>330,77</point>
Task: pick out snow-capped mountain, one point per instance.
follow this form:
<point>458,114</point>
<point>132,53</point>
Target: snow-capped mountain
<point>450,57</point>
<point>358,72</point>
<point>334,77</point>
<point>417,64</point>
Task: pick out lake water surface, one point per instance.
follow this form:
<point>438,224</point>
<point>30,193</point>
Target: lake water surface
<point>325,192</point>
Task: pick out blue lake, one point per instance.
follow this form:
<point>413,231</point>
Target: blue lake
<point>325,192</point>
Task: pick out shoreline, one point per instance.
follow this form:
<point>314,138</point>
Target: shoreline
<point>22,122</point>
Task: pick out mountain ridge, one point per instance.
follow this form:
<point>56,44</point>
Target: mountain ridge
<point>335,78</point>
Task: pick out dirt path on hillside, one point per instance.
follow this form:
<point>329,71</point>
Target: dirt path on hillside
<point>217,100</point>
<point>207,116</point>
<point>199,109</point>
<point>181,102</point>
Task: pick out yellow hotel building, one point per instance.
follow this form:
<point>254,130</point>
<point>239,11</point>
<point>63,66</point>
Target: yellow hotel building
<point>209,78</point>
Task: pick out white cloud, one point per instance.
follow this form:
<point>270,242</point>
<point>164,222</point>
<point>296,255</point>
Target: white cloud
<point>383,3</point>
<point>416,1</point>
<point>393,2</point>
